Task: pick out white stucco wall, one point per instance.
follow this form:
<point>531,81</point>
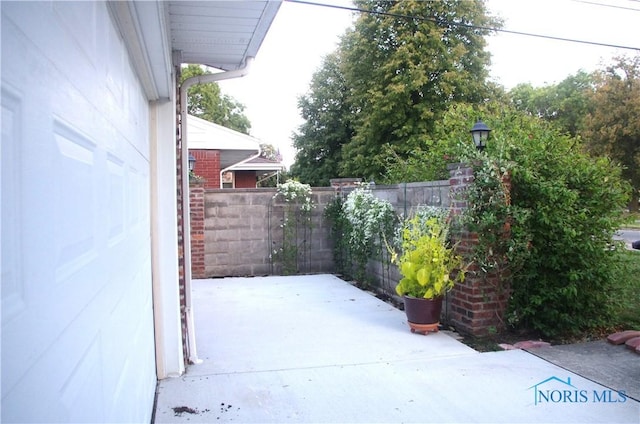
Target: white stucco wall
<point>77,321</point>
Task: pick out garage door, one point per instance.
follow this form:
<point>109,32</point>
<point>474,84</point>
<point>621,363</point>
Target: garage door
<point>77,325</point>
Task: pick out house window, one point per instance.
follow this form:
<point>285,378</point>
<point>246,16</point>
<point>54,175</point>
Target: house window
<point>227,179</point>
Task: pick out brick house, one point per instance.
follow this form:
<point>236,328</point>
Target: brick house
<point>226,158</point>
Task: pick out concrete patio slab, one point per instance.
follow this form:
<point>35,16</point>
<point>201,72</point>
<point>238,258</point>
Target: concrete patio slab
<point>316,349</point>
<point>613,366</point>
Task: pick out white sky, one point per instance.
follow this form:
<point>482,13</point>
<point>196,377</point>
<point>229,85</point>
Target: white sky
<point>301,35</point>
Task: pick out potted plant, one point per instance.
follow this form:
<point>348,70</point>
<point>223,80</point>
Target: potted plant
<point>429,267</point>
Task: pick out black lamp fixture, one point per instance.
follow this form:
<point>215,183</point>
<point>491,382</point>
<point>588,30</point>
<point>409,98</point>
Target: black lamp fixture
<point>480,134</point>
<point>192,162</point>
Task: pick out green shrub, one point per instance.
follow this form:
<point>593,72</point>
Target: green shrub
<point>563,210</point>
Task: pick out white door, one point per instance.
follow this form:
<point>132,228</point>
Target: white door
<point>77,324</point>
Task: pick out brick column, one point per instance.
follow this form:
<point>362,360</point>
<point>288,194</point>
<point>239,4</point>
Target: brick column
<point>196,206</point>
<point>477,305</point>
<point>207,166</point>
<point>181,227</point>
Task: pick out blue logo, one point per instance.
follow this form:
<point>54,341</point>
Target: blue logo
<point>557,390</point>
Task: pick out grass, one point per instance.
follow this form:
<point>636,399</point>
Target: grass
<point>626,292</point>
<point>632,221</point>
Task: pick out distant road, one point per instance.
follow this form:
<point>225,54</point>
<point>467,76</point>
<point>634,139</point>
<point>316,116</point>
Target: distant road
<point>628,236</point>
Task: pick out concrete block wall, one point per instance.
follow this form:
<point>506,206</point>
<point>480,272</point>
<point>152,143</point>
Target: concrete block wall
<point>242,229</point>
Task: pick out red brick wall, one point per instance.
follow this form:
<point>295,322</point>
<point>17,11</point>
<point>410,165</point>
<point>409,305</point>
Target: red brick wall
<point>478,304</point>
<point>196,207</point>
<point>207,166</point>
<point>245,179</point>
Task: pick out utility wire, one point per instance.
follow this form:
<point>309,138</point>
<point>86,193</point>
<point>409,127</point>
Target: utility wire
<point>606,5</point>
<point>506,31</point>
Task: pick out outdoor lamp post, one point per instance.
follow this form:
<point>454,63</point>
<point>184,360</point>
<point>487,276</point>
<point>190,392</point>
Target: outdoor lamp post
<point>480,134</point>
<point>192,162</point>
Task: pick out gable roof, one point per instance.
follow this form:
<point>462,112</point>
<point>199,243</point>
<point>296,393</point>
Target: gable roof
<point>260,165</point>
<point>234,146</point>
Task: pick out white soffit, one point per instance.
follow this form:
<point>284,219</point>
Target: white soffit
<point>220,34</point>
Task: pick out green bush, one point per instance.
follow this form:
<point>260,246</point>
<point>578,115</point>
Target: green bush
<point>563,210</point>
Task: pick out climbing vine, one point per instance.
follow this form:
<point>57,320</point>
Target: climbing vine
<point>502,237</point>
<point>296,226</point>
<point>370,220</point>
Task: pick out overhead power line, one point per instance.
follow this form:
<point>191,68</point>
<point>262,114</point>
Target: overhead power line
<point>506,31</point>
<point>607,5</point>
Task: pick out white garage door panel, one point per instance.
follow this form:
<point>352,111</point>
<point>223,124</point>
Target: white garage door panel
<point>77,324</point>
<point>12,289</point>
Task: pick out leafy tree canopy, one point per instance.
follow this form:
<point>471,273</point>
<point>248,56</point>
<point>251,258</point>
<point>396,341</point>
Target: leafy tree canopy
<point>403,71</point>
<point>612,126</point>
<point>603,108</point>
<point>269,151</point>
<point>327,125</point>
<point>207,102</point>
<point>565,103</point>
<point>391,78</point>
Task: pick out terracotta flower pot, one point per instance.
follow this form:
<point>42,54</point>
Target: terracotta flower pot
<point>423,311</point>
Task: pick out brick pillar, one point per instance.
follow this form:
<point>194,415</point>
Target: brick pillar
<point>181,244</point>
<point>196,206</point>
<point>207,166</point>
<point>477,305</point>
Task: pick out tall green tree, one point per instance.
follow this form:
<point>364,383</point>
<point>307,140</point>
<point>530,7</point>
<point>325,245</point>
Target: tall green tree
<point>327,125</point>
<point>612,128</point>
<point>564,104</point>
<point>403,67</point>
<point>206,101</point>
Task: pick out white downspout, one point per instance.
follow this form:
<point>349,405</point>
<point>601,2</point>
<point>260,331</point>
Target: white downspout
<point>184,87</point>
<point>222,171</point>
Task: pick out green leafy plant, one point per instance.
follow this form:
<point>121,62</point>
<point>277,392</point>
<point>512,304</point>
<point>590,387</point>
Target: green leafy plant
<point>340,231</point>
<point>370,220</point>
<point>503,238</point>
<point>428,265</point>
<point>296,224</point>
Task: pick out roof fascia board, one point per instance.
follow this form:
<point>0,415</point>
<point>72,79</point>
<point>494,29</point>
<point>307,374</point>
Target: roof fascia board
<point>268,15</point>
<point>256,167</point>
<point>143,26</point>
